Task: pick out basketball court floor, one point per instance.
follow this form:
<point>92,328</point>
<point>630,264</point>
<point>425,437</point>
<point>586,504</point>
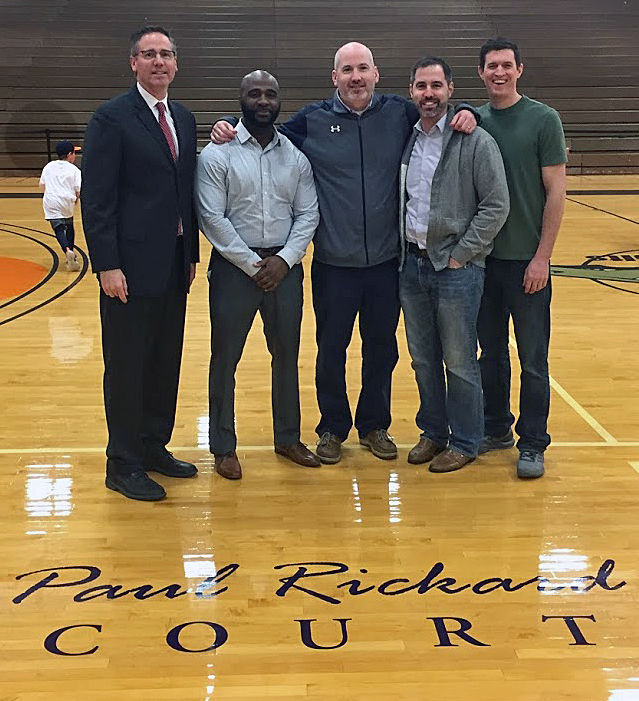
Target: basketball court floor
<point>363,581</point>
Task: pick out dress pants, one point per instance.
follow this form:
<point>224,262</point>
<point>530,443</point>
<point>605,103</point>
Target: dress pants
<point>339,295</point>
<point>142,350</point>
<point>234,299</point>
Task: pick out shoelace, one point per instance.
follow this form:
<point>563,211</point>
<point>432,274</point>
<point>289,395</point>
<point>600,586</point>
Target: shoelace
<point>528,455</point>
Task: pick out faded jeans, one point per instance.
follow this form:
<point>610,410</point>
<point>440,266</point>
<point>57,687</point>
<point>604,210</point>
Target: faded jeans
<point>440,313</point>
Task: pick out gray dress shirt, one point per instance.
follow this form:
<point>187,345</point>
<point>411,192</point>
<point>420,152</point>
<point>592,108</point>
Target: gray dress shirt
<point>253,197</point>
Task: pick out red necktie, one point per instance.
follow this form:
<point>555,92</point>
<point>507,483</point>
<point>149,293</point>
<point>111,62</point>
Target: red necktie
<point>165,128</point>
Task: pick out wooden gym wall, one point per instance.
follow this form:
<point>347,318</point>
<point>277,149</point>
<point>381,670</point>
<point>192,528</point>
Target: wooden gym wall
<point>62,58</point>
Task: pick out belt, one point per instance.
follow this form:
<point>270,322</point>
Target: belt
<point>267,252</point>
<point>416,250</point>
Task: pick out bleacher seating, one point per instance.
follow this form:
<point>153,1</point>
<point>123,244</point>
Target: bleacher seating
<point>62,58</point>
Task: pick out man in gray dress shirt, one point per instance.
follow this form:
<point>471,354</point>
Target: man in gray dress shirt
<point>258,207</point>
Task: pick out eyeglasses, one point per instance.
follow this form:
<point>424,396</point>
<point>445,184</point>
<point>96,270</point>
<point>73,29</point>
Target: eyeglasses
<point>150,54</point>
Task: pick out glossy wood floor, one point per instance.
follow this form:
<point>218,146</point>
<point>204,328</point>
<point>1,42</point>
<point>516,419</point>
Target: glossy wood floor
<point>550,613</point>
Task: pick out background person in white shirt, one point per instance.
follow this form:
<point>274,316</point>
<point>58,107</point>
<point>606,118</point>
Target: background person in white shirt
<point>257,205</point>
<point>60,181</point>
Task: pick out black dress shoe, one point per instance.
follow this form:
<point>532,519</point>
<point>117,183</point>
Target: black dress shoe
<point>166,464</point>
<point>136,485</point>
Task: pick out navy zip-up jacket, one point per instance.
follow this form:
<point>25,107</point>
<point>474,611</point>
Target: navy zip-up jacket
<point>356,163</point>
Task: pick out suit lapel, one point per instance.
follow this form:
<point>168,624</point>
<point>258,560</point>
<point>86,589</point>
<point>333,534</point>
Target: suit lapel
<point>146,116</point>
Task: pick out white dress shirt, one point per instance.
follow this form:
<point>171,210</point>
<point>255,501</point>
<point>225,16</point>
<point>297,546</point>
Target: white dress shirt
<point>152,102</point>
<point>424,160</point>
<point>253,197</point>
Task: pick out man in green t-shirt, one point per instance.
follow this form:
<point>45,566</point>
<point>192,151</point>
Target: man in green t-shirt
<point>531,139</point>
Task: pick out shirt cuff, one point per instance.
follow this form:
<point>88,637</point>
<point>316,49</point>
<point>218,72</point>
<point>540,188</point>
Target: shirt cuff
<point>288,256</point>
<point>248,266</point>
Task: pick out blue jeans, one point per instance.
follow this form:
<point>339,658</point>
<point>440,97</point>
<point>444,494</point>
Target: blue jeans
<point>64,232</point>
<point>504,297</point>
<point>440,312</point>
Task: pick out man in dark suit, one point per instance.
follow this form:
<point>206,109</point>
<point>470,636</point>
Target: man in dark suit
<point>138,163</point>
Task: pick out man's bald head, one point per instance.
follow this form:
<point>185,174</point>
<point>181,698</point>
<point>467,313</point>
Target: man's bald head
<point>258,76</point>
<point>348,49</point>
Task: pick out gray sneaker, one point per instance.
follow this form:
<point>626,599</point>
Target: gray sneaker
<point>329,448</point>
<point>530,464</point>
<point>380,444</point>
<point>489,443</point>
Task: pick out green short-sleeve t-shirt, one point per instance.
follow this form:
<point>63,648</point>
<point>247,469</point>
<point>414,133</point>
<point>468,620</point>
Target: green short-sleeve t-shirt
<point>530,136</point>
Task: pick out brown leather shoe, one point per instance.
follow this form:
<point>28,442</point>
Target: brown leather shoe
<point>380,444</point>
<point>228,466</point>
<point>329,448</point>
<point>424,451</point>
<point>299,454</point>
<point>449,460</point>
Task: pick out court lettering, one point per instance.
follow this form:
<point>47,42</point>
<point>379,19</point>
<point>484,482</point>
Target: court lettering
<point>110,591</point>
<point>331,582</point>
<point>305,580</point>
<point>299,581</point>
<point>570,621</point>
<point>446,628</point>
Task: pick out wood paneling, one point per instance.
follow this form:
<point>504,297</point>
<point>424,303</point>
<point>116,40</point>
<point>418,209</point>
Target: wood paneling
<point>61,60</point>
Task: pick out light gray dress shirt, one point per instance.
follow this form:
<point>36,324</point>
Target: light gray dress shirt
<point>424,160</point>
<point>250,197</point>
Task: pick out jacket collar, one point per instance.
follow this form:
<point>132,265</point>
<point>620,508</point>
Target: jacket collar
<point>339,106</point>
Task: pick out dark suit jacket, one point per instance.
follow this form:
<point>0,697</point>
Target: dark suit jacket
<point>133,192</point>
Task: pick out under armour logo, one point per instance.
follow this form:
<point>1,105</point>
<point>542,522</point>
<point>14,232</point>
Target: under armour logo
<point>336,128</point>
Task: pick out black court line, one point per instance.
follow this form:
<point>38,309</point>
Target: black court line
<point>604,211</point>
<point>612,214</point>
<point>602,192</point>
<point>618,289</point>
<point>20,195</point>
<point>607,284</point>
<point>81,274</point>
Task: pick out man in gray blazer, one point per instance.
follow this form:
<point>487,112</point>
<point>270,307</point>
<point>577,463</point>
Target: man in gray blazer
<point>453,202</point>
